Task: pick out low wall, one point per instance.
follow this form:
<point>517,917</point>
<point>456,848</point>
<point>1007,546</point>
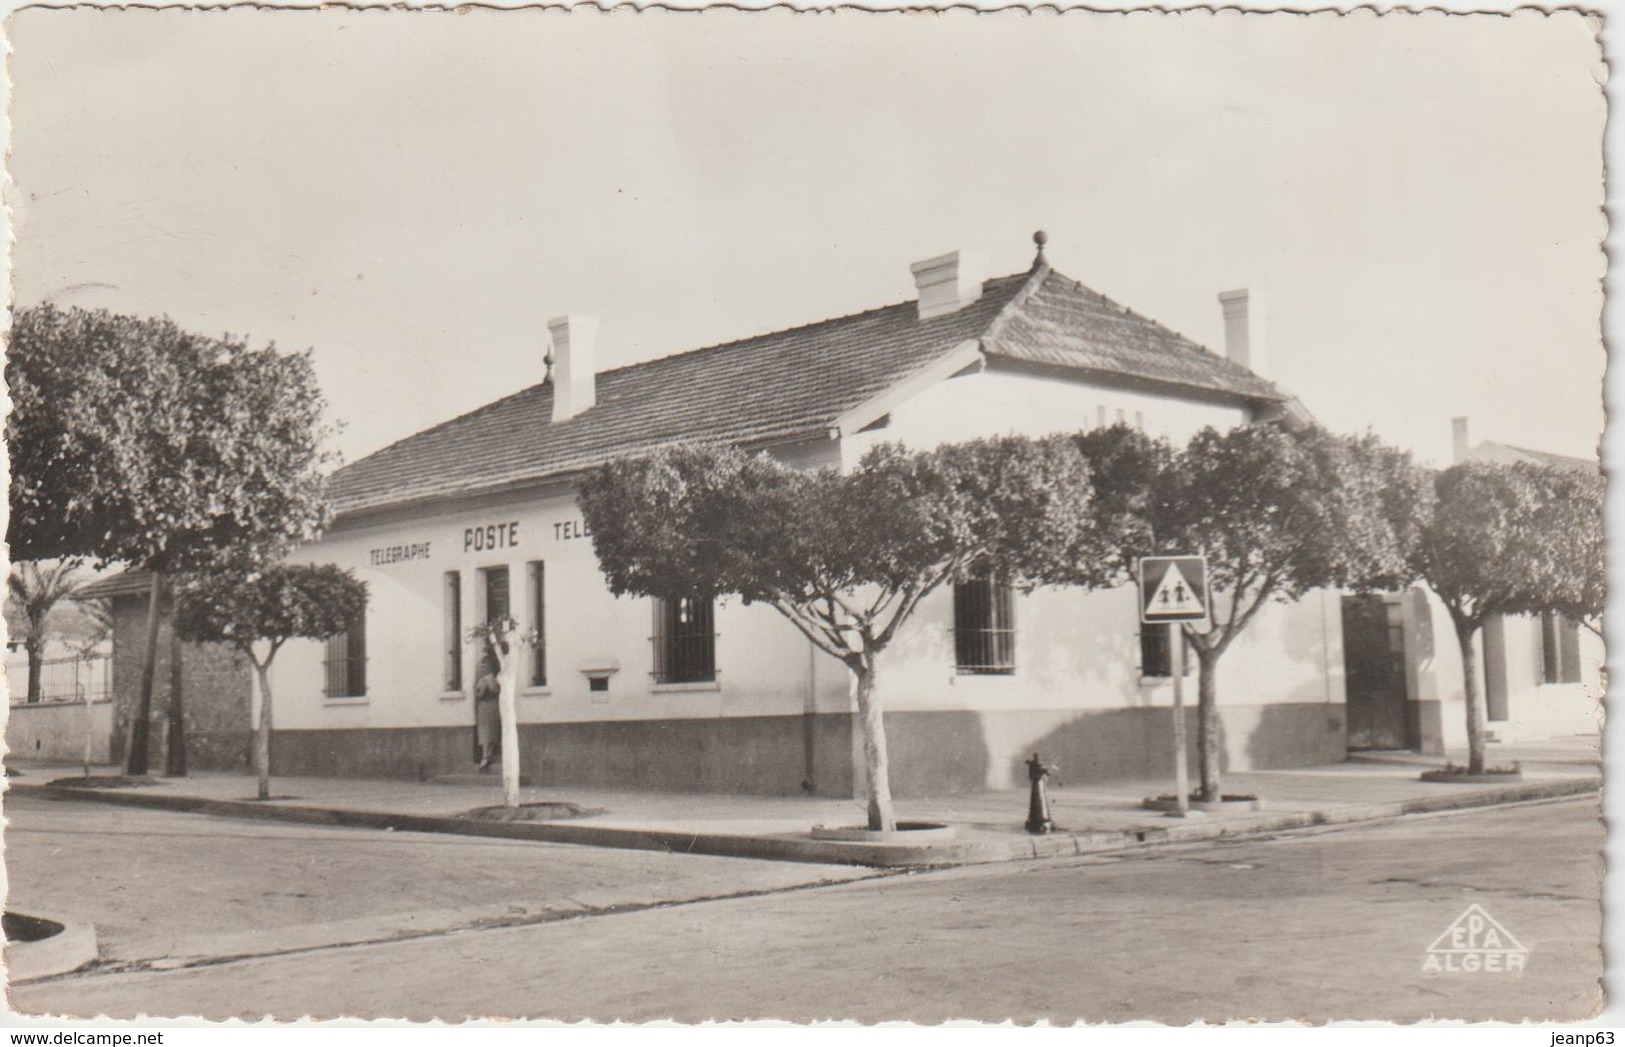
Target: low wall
<point>56,731</point>
<point>932,753</point>
<point>756,755</point>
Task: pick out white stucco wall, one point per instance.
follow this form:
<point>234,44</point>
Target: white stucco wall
<point>763,664</point>
<point>1076,653</point>
<point>1535,710</point>
<point>1001,400</point>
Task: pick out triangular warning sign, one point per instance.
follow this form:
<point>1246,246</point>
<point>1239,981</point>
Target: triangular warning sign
<point>1476,931</point>
<point>1174,595</point>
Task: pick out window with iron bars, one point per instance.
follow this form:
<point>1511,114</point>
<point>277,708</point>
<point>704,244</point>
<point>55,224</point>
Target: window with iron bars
<point>984,628</point>
<point>685,640</point>
<point>1157,654</point>
<point>452,631</point>
<point>347,661</point>
<point>537,577</point>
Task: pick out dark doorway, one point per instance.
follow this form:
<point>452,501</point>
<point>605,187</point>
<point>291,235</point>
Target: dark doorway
<point>497,605</point>
<point>1374,660</point>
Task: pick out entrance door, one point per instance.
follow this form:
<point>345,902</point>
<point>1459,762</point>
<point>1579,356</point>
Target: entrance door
<point>495,584</point>
<point>1374,660</point>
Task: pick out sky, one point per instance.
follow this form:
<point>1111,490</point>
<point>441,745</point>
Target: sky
<point>413,195</point>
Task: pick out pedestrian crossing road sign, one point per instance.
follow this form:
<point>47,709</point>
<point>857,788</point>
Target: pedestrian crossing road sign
<point>1173,589</point>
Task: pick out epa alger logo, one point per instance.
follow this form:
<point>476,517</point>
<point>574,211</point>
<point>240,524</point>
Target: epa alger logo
<point>1475,942</point>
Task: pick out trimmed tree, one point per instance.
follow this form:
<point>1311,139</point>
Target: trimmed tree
<point>846,558</point>
<point>1278,514</point>
<point>1570,522</point>
<point>499,640</point>
<point>33,590</point>
<point>257,611</point>
<point>1509,539</point>
<point>132,440</point>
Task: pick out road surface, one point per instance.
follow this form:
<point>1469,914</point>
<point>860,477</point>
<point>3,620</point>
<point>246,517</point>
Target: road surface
<point>1315,926</point>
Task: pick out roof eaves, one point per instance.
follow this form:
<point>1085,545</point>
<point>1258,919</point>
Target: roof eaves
<point>363,510</point>
<point>125,583</point>
<point>964,355</point>
<point>1107,376</point>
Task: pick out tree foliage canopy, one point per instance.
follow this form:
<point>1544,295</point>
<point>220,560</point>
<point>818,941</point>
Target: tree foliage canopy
<point>1514,538</point>
<point>845,556</point>
<point>273,604</point>
<point>1571,525</point>
<point>134,440</point>
<point>1278,513</point>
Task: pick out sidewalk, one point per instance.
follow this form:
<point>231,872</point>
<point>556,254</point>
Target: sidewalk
<point>989,826</point>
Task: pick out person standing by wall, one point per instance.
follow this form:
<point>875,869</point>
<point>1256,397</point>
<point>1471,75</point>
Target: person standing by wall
<point>487,716</point>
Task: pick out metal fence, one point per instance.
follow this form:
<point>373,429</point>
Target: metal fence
<point>62,679</point>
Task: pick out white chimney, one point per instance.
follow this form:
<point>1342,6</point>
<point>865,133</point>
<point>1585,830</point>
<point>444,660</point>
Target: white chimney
<point>1459,444</point>
<point>1244,330</point>
<point>949,282</point>
<point>575,365</point>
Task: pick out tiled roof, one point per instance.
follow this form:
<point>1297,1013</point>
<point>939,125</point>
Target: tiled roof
<point>1493,451</point>
<point>124,583</point>
<point>1059,321</point>
<point>773,387</point>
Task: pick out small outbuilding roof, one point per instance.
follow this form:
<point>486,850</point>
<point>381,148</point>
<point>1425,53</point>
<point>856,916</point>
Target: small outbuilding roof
<point>1490,450</point>
<point>124,583</point>
<point>793,384</point>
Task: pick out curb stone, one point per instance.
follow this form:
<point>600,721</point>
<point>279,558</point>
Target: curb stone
<point>799,848</point>
<point>69,949</point>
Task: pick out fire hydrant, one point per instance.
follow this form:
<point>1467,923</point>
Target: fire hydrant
<point>1038,819</point>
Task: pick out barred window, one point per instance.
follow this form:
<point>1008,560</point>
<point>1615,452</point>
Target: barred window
<point>538,623</point>
<point>1157,654</point>
<point>347,660</point>
<point>1559,648</point>
<point>984,628</point>
<point>496,593</point>
<point>685,640</point>
<point>451,641</point>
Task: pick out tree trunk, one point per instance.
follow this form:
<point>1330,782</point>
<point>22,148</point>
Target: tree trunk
<point>1475,701</point>
<point>876,776</point>
<point>1208,723</point>
<point>175,753</point>
<point>35,667</point>
<point>262,732</point>
<point>508,711</point>
<point>135,756</point>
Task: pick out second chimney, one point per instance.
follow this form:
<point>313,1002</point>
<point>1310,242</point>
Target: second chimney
<point>1459,443</point>
<point>949,282</point>
<point>575,365</point>
<point>1244,331</point>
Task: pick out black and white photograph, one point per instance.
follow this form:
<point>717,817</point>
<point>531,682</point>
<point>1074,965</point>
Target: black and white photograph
<point>597,514</point>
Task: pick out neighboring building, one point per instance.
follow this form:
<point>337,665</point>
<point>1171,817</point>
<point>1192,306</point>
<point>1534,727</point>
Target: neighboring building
<point>477,517</point>
<point>214,685</point>
<point>1541,676</point>
<point>1542,673</point>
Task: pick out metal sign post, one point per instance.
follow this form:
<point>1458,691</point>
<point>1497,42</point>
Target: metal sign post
<point>1173,590</point>
<point>1182,774</point>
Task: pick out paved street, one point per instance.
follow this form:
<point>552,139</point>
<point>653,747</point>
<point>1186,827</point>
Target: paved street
<point>1324,925</point>
<point>171,886</point>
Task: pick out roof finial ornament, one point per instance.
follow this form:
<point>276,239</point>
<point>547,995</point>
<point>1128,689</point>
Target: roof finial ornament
<point>1040,238</point>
